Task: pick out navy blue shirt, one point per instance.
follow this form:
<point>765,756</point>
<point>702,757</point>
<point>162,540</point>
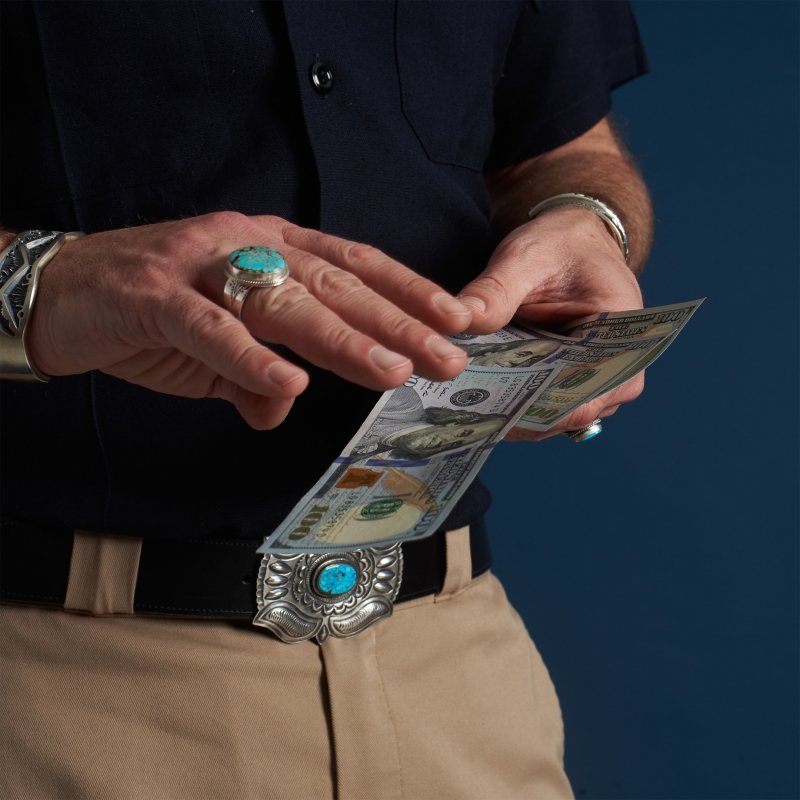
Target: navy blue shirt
<point>127,113</point>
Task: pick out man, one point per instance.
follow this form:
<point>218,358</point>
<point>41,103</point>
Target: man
<point>383,150</point>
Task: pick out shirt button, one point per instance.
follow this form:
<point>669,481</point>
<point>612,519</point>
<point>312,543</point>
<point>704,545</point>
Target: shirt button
<point>321,77</point>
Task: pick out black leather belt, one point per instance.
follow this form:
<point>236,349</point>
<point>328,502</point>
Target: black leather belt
<point>203,577</point>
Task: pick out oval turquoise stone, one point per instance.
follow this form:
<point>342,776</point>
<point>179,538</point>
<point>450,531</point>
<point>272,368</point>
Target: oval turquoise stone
<point>336,579</point>
<point>257,259</point>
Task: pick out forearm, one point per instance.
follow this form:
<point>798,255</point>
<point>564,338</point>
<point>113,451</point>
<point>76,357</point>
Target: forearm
<point>596,164</point>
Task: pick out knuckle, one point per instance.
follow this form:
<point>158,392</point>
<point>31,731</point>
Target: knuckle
<point>407,329</point>
<point>226,221</point>
<point>342,339</point>
<point>328,281</point>
<point>185,239</point>
<point>282,299</point>
<point>495,287</point>
<point>278,307</point>
<point>500,306</point>
<point>206,323</point>
<point>356,253</point>
<point>192,241</point>
<point>221,388</point>
<point>276,226</point>
<point>273,221</point>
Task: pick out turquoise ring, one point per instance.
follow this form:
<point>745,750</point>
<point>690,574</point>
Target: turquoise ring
<point>249,268</point>
<point>585,433</point>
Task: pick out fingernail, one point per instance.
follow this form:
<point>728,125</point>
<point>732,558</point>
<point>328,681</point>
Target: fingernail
<point>450,305</point>
<point>474,302</point>
<point>283,373</point>
<point>387,360</point>
<point>443,349</point>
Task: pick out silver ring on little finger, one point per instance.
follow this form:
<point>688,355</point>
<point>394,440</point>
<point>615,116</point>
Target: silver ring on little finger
<point>249,268</point>
<point>586,432</point>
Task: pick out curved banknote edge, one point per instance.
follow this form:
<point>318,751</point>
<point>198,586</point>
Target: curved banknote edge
<point>608,350</point>
<point>420,448</point>
<point>422,445</point>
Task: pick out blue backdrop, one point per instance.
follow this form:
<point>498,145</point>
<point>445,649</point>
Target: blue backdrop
<point>656,566</point>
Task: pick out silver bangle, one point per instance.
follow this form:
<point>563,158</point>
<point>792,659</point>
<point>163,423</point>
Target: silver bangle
<point>21,266</point>
<point>590,203</point>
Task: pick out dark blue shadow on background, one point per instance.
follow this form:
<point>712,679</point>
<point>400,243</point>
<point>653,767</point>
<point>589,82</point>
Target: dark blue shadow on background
<point>657,565</point>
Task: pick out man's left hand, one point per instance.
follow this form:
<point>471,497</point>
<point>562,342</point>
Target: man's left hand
<point>562,265</point>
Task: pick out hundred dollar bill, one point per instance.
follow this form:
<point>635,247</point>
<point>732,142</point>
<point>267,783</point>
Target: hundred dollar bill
<point>424,443</point>
<point>420,448</point>
<point>601,352</point>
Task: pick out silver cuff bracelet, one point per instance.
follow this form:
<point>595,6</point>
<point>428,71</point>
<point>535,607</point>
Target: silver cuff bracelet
<point>21,265</point>
<point>591,204</point>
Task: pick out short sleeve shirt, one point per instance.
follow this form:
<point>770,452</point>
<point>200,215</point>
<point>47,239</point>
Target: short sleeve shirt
<point>137,112</point>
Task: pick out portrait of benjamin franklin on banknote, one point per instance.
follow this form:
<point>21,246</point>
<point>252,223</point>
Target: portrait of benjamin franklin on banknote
<point>405,430</point>
<point>522,353</point>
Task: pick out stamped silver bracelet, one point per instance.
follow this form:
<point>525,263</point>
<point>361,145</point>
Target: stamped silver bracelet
<point>589,203</point>
<point>21,265</point>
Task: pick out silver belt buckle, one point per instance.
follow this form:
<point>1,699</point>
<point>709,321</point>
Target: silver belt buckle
<point>315,595</point>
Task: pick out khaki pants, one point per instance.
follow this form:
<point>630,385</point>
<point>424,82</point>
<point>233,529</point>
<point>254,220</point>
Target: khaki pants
<point>446,699</point>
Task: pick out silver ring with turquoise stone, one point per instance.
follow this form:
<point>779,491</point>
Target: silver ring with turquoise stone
<point>586,432</point>
<point>254,267</point>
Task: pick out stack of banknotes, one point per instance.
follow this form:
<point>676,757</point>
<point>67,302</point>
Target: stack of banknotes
<point>424,443</point>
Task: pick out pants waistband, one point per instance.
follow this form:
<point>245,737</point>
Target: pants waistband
<point>202,577</point>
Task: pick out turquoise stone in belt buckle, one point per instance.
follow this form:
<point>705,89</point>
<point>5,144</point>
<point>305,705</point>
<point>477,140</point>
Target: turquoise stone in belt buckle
<point>311,595</point>
<point>336,579</point>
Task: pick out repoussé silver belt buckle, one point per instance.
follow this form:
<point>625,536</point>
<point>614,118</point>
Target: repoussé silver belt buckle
<point>315,595</point>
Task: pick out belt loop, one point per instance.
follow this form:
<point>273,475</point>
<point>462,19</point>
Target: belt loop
<point>459,563</point>
<point>102,574</point>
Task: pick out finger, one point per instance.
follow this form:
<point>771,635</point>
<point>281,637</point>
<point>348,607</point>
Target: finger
<point>366,311</point>
<point>629,390</point>
<point>506,284</point>
<point>517,434</point>
<point>580,418</point>
<point>213,336</point>
<point>417,296</point>
<point>288,314</point>
<point>293,319</point>
<point>558,265</point>
<point>601,407</point>
<point>259,412</point>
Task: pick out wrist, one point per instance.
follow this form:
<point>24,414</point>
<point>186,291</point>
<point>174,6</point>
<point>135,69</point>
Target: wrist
<point>6,237</point>
<point>22,262</point>
<point>591,204</point>
<point>578,224</point>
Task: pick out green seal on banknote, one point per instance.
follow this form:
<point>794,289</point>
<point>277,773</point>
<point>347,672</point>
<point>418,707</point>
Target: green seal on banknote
<point>577,379</point>
<point>380,509</point>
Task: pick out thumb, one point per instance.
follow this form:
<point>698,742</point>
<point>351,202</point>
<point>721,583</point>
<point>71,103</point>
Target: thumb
<point>496,294</point>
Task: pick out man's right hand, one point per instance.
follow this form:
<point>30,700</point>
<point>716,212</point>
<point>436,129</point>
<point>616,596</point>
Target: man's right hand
<point>144,304</point>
